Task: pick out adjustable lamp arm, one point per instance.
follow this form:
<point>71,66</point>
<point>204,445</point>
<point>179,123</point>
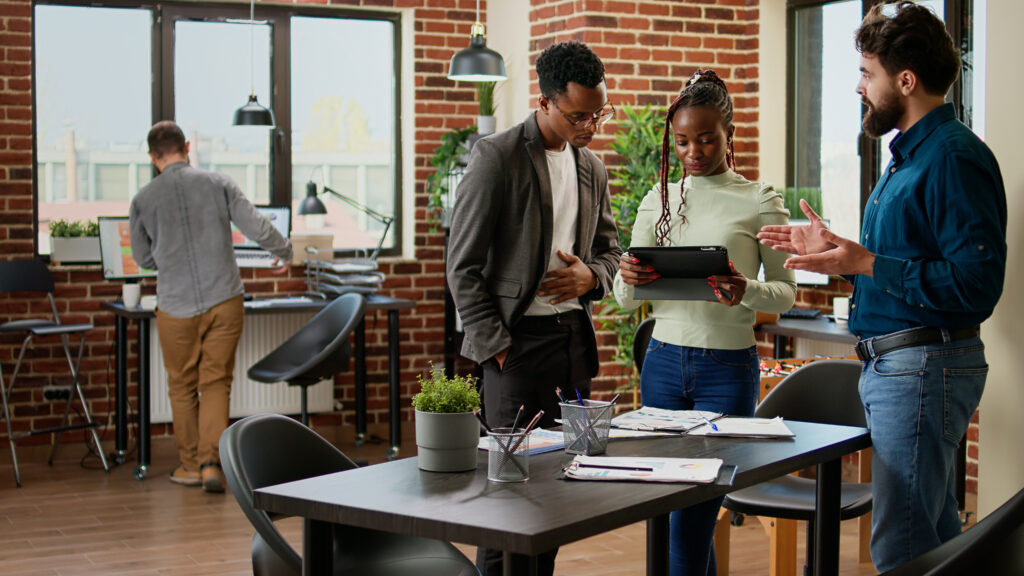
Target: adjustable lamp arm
<point>383,219</point>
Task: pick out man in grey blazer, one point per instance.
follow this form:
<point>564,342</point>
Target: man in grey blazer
<point>533,244</point>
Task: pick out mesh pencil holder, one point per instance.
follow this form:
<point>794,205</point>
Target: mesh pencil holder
<point>586,427</point>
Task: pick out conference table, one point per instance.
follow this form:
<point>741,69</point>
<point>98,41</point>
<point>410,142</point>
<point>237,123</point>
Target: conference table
<point>547,511</point>
<point>143,317</point>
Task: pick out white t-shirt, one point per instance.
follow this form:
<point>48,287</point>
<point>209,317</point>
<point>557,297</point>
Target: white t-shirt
<point>565,204</point>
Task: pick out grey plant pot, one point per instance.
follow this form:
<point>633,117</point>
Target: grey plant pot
<point>75,249</point>
<point>446,442</point>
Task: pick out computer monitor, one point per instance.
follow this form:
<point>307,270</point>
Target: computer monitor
<point>116,250</point>
<point>279,216</point>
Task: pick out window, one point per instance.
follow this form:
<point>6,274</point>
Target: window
<point>196,63</point>
<point>828,156</point>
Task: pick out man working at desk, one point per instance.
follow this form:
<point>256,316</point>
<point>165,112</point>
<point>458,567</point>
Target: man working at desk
<point>930,270</point>
<point>533,244</point>
<point>181,226</point>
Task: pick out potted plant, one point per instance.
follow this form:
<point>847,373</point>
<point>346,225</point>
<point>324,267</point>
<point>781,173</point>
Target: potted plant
<point>446,160</point>
<point>485,97</point>
<point>638,144</point>
<point>74,241</point>
<point>447,432</point>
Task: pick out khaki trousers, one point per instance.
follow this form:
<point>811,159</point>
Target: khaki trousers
<point>199,356</point>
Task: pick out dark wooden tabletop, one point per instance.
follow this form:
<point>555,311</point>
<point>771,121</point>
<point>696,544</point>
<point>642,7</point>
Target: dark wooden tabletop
<point>820,328</point>
<point>545,512</point>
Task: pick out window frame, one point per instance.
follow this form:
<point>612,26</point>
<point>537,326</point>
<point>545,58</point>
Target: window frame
<point>869,149</point>
<point>166,14</point>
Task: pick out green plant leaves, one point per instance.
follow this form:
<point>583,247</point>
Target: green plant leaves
<point>444,160</point>
<point>439,393</point>
<point>73,228</point>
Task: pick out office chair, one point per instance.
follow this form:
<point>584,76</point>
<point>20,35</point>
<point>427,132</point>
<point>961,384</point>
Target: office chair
<point>826,392</point>
<point>34,276</point>
<point>268,449</point>
<point>642,339</point>
<point>319,350</point>
<point>993,546</point>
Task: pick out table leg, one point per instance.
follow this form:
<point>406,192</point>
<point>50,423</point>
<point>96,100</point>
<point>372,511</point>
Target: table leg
<point>826,519</point>
<point>657,546</point>
<point>359,338</point>
<point>394,383</point>
<point>780,346</point>
<point>317,547</point>
<point>143,440</point>
<point>121,389</point>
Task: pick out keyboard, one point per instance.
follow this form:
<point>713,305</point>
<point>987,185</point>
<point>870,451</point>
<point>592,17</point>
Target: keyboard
<point>255,259</point>
<point>801,313</point>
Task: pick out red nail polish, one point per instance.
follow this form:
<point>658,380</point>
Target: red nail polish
<point>636,261</point>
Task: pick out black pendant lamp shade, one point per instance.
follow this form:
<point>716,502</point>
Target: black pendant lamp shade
<point>311,204</point>
<point>252,114</point>
<point>478,63</point>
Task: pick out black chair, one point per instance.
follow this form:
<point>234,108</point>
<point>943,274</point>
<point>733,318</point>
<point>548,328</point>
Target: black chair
<point>318,351</point>
<point>34,276</point>
<point>641,339</point>
<point>993,546</point>
<point>268,449</point>
<point>824,391</point>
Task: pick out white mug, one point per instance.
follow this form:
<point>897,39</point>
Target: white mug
<point>841,309</point>
<point>130,295</point>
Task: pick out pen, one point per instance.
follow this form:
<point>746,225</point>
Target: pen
<point>560,395</point>
<point>526,432</point>
<point>710,423</point>
<point>518,414</point>
<point>610,467</point>
<point>615,399</point>
<point>483,423</point>
<point>579,396</point>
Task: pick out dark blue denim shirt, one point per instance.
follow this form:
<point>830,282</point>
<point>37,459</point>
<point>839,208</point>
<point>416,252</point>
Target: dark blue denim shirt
<point>937,222</point>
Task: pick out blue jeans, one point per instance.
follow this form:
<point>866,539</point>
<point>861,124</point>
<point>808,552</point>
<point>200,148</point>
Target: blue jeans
<point>918,403</point>
<point>683,378</point>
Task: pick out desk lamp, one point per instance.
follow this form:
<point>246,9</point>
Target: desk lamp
<point>312,205</point>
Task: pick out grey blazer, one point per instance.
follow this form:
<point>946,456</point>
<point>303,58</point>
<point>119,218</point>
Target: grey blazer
<point>501,236</point>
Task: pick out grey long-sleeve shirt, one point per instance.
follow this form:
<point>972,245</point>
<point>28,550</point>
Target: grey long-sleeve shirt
<point>181,226</point>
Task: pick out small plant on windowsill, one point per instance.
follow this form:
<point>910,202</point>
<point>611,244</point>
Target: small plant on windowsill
<point>74,241</point>
<point>446,429</point>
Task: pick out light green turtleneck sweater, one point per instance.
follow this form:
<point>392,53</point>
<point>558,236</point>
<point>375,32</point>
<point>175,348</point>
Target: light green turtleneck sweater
<point>727,210</point>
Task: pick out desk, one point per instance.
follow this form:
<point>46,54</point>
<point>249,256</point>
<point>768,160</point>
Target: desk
<point>143,317</point>
<point>820,328</point>
<point>546,512</point>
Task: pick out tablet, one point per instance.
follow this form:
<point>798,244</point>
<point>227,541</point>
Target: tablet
<point>684,271</point>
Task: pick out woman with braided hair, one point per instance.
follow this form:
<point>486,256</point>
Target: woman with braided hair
<point>702,355</point>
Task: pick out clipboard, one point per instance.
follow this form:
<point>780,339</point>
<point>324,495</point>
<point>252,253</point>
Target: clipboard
<point>684,271</point>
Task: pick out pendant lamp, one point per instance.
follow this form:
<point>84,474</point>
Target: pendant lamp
<point>252,114</point>
<point>478,63</point>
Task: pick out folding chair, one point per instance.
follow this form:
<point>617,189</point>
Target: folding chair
<point>34,276</point>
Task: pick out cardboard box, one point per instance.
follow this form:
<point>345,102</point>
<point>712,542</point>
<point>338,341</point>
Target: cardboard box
<point>322,241</point>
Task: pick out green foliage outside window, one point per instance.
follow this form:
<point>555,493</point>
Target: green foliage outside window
<point>792,197</point>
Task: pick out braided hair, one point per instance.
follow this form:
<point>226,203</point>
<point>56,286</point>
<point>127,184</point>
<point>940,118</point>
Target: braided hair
<point>704,88</point>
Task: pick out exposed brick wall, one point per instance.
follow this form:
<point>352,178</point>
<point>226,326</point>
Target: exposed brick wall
<point>650,48</point>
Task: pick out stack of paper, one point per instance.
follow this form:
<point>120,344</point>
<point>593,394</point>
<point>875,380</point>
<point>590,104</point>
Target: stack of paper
<point>745,427</point>
<point>691,470</point>
<point>647,418</point>
<point>540,441</point>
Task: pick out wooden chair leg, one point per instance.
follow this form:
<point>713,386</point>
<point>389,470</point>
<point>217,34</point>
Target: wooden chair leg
<point>781,546</point>
<point>722,531</point>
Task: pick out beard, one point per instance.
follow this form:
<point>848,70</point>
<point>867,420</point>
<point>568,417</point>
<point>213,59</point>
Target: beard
<point>883,116</point>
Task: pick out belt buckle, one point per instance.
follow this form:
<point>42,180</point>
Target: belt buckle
<point>862,351</point>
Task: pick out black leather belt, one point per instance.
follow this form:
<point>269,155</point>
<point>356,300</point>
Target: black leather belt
<point>570,318</point>
<point>871,348</point>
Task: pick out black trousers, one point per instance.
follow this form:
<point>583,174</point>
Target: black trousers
<point>547,352</point>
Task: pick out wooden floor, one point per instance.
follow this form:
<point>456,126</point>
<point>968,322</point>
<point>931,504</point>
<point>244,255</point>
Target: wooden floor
<point>69,521</point>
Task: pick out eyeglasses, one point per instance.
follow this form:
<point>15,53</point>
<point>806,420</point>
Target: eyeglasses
<point>596,119</point>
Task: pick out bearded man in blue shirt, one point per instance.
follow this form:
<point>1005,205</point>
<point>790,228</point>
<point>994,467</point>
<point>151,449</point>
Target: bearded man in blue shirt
<point>929,269</point>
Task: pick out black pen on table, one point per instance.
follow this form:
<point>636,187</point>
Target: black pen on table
<point>611,467</point>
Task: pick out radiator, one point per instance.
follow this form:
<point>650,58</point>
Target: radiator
<point>262,333</point>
